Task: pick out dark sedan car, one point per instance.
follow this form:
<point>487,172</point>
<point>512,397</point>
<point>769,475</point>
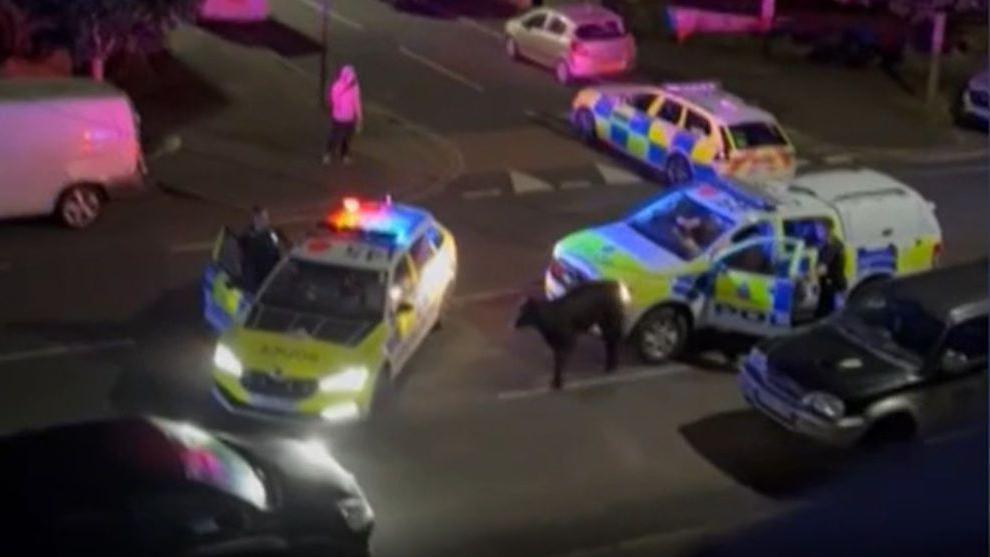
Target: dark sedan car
<point>905,357</point>
<point>152,487</point>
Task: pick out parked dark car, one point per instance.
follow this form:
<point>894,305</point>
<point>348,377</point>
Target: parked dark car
<point>904,357</point>
<point>152,487</point>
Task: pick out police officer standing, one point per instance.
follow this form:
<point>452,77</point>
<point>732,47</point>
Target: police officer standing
<point>261,248</point>
<point>831,271</point>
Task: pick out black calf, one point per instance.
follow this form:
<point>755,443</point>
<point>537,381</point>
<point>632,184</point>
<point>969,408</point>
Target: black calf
<point>561,320</point>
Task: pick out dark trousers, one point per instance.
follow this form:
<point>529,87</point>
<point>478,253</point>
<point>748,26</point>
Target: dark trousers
<point>339,140</point>
<point>826,300</point>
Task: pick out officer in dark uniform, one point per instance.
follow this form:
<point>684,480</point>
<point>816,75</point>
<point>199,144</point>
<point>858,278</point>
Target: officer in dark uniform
<point>261,248</point>
<point>831,271</point>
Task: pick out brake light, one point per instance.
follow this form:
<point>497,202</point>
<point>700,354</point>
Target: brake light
<point>579,48</point>
<point>937,254</point>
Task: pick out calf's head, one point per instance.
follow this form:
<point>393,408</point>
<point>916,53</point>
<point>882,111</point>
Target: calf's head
<point>529,315</point>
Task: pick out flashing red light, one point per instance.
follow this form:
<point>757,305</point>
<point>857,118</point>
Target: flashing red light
<point>580,49</point>
<point>351,204</point>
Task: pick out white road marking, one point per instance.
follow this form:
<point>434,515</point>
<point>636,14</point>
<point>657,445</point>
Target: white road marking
<point>481,27</point>
<point>616,378</point>
<point>482,194</point>
<point>441,69</point>
<point>485,296</point>
<point>65,350</point>
<point>334,15</point>
<point>191,247</point>
<point>524,183</point>
<point>575,185</point>
<point>614,176</point>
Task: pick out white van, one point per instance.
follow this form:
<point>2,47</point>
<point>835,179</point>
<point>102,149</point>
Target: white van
<point>66,147</point>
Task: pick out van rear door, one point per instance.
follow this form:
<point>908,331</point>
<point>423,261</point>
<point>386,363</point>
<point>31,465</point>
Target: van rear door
<point>886,229</point>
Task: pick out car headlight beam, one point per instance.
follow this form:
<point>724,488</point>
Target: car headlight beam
<point>351,380</point>
<point>225,360</point>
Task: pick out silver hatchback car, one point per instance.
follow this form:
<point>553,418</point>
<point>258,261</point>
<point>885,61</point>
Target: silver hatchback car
<point>576,40</point>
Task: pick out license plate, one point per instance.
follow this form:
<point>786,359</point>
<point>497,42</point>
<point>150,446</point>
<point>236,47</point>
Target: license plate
<point>273,403</point>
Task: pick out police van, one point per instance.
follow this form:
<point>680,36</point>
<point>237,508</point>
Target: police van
<point>718,254</point>
<point>686,130</point>
<point>336,319</point>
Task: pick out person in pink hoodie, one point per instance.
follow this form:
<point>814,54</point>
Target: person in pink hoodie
<point>346,114</point>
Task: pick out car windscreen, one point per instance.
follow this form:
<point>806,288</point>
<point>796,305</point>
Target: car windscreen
<point>757,134</point>
<point>600,31</point>
<point>680,225</point>
<point>209,461</point>
<point>332,290</point>
<point>893,324</point>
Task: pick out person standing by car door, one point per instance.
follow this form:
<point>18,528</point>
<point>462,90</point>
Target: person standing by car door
<point>261,247</point>
<point>831,270</point>
<point>346,115</point>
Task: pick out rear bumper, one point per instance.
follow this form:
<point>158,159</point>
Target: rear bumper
<point>591,67</point>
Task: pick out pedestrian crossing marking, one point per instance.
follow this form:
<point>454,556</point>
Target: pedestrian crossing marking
<point>614,176</point>
<point>524,183</point>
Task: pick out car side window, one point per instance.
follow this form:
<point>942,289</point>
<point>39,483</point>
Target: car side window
<point>968,340</point>
<point>670,111</point>
<point>535,21</point>
<point>557,26</point>
<point>421,252</point>
<point>758,230</point>
<point>808,230</point>
<point>642,102</point>
<point>756,258</point>
<point>697,124</point>
<point>403,275</point>
<point>435,237</point>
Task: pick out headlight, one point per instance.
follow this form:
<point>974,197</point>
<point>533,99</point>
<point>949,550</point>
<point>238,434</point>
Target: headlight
<point>351,380</point>
<point>357,513</point>
<point>825,404</point>
<point>624,294</point>
<point>757,359</point>
<point>225,360</point>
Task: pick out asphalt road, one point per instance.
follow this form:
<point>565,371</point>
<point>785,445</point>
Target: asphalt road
<point>478,458</point>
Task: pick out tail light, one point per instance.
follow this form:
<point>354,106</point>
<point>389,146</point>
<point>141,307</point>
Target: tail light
<point>937,254</point>
<point>579,48</point>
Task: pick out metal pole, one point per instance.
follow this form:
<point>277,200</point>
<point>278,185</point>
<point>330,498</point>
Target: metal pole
<point>324,42</point>
<point>938,37</point>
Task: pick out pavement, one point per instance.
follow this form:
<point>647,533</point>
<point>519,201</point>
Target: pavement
<point>479,457</point>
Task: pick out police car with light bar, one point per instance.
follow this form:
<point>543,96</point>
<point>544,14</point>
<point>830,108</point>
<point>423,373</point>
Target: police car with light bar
<point>686,130</point>
<point>337,318</point>
<point>717,254</point>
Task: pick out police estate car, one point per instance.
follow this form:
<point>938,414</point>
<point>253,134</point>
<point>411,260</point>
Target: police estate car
<point>686,130</point>
<point>337,317</point>
<point>722,255</point>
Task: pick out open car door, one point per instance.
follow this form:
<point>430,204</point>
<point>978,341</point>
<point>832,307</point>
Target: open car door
<point>223,297</point>
<point>760,286</point>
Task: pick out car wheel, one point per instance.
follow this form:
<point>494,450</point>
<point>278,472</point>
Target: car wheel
<point>891,430</point>
<point>677,170</point>
<point>382,399</point>
<point>584,125</point>
<point>661,335</point>
<point>563,72</point>
<point>79,206</point>
<point>512,49</point>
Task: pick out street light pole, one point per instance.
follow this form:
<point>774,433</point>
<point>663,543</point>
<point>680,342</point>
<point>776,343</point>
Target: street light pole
<point>324,40</point>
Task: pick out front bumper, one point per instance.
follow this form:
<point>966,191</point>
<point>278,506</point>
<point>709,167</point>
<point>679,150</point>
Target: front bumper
<point>235,398</point>
<point>793,415</point>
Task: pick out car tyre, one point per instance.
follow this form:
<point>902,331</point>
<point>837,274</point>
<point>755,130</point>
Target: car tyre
<point>889,431</point>
<point>661,335</point>
<point>563,73</point>
<point>512,49</point>
<point>584,125</point>
<point>79,206</point>
<point>677,170</point>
